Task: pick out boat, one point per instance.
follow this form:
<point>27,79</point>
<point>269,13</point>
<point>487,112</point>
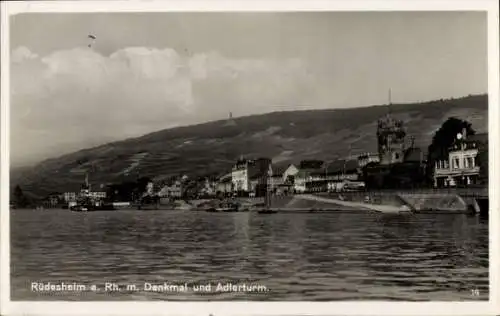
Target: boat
<point>227,207</point>
<point>80,208</point>
<point>85,202</point>
<point>267,211</point>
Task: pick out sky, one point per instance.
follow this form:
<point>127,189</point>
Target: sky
<point>150,71</point>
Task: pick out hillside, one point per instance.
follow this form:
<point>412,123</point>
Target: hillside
<point>212,147</point>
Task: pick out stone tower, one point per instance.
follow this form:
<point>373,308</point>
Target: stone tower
<point>391,139</point>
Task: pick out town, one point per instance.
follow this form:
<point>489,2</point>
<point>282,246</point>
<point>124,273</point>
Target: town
<point>398,164</point>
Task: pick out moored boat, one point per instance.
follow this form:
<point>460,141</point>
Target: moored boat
<point>227,207</point>
<point>267,211</point>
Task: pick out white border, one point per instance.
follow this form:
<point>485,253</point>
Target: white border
<point>255,308</point>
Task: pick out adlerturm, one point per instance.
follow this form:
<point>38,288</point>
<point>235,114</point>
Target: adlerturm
<point>391,140</point>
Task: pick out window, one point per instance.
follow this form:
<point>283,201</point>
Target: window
<point>470,162</point>
<point>456,163</point>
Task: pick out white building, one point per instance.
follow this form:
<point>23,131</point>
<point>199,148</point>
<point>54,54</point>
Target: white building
<point>69,196</point>
<point>97,194</point>
<point>239,176</point>
<point>290,173</point>
<point>461,168</point>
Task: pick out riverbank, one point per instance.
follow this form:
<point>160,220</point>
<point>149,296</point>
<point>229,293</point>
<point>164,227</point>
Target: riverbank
<point>420,201</point>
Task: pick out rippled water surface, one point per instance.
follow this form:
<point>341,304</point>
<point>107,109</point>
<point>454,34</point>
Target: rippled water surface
<point>304,256</point>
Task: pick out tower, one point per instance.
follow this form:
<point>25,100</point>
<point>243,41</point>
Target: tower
<point>391,138</point>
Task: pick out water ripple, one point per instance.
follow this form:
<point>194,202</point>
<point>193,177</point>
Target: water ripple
<point>315,257</point>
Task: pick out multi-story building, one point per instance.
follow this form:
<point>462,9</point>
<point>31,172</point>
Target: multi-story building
<point>172,190</point>
<point>239,175</point>
<point>462,167</point>
<point>251,176</point>
<point>69,197</point>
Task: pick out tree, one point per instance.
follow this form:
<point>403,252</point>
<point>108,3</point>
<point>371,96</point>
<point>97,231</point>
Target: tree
<point>20,200</point>
<point>443,139</point>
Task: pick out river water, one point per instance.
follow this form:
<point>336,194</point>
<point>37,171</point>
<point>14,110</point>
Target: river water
<point>287,257</point>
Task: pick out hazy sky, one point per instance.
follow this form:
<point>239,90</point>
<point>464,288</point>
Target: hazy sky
<point>149,71</point>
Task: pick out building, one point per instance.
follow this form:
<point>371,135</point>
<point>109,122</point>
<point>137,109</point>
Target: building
<point>463,167</point>
<point>391,140</point>
<point>310,177</point>
<point>283,178</point>
<point>53,200</point>
<point>173,189</point>
<point>290,173</point>
<point>342,174</point>
<point>207,187</point>
<point>97,194</point>
<point>240,177</point>
<point>224,185</point>
<point>69,197</point>
<point>399,165</point>
<point>251,176</point>
<point>300,181</point>
<point>366,158</point>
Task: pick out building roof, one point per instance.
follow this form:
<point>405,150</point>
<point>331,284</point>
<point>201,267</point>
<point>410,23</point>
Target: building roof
<point>311,164</point>
<point>414,155</point>
<point>226,178</point>
<point>255,172</point>
<point>280,168</point>
<point>339,166</point>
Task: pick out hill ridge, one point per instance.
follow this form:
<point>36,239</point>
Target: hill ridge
<point>211,147</point>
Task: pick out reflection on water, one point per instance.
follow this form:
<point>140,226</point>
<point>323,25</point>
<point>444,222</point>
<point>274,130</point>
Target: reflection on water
<point>330,256</point>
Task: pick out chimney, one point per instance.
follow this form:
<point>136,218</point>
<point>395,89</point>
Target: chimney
<point>464,133</point>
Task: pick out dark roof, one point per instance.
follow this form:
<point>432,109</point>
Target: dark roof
<point>280,168</point>
<point>414,155</point>
<point>255,172</point>
<point>311,164</point>
<point>338,166</point>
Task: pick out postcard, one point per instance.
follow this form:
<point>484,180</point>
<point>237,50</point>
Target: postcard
<point>250,158</point>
